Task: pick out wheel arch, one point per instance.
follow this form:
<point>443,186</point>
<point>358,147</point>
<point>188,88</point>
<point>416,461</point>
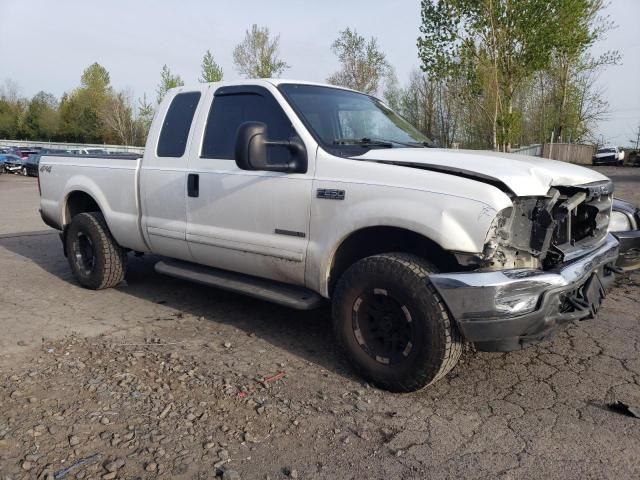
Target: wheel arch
<point>374,240</point>
<point>75,202</point>
<point>78,201</point>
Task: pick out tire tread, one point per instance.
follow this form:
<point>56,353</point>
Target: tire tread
<point>420,269</point>
<point>112,257</point>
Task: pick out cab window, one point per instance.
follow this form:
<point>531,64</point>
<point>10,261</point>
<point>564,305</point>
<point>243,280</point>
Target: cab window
<point>177,123</point>
<point>232,107</point>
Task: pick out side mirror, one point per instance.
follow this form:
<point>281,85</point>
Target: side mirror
<point>251,150</point>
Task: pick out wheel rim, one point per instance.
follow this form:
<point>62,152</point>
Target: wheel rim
<point>84,254</point>
<point>24,171</point>
<point>383,326</point>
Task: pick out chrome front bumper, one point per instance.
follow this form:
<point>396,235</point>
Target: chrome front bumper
<point>510,309</point>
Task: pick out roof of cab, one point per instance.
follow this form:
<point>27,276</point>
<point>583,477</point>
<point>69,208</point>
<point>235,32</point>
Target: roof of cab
<point>254,81</point>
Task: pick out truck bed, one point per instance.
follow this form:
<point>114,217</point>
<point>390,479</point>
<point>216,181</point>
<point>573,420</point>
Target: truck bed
<point>113,181</point>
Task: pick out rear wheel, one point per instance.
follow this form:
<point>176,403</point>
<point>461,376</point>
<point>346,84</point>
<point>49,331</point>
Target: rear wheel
<point>95,258</point>
<point>393,324</point>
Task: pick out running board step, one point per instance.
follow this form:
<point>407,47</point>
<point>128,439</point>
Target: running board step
<point>290,296</point>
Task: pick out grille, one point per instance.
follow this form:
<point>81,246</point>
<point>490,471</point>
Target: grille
<point>582,216</point>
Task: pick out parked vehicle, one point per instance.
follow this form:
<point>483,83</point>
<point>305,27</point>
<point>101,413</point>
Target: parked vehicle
<point>608,156</point>
<point>24,152</point>
<point>3,159</point>
<point>32,163</point>
<point>92,151</point>
<point>96,151</point>
<point>299,193</point>
<point>12,163</point>
<point>88,151</point>
<point>625,222</point>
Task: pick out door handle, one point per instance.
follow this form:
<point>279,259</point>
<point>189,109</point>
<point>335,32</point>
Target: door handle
<point>193,185</point>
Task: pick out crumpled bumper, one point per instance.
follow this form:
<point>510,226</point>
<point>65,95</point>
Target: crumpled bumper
<point>510,309</point>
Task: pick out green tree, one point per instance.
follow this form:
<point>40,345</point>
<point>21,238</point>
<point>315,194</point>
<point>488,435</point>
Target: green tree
<point>8,120</point>
<point>12,111</point>
<point>513,38</point>
<point>572,63</point>
<point>72,119</point>
<point>210,70</point>
<point>258,54</point>
<point>81,110</point>
<point>96,79</point>
<point>167,81</point>
<point>362,64</point>
<point>143,120</point>
<point>42,117</point>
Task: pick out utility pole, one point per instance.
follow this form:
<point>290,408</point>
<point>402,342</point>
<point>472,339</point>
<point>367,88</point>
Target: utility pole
<point>637,139</point>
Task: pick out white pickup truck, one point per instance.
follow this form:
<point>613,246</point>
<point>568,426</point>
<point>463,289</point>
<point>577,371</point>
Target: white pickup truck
<point>296,192</point>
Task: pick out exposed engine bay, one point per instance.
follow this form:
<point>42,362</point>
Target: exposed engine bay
<point>541,232</point>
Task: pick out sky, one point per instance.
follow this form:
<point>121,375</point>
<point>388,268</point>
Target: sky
<point>46,44</point>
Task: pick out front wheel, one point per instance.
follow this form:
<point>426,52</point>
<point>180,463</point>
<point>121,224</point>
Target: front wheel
<point>95,258</point>
<point>393,324</point>
<point>24,171</point>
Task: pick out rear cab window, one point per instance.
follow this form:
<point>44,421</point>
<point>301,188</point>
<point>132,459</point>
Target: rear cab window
<point>177,124</point>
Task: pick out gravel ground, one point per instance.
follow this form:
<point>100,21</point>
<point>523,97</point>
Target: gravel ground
<point>163,378</point>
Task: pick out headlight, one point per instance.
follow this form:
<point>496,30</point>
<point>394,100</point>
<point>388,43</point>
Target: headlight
<point>619,222</point>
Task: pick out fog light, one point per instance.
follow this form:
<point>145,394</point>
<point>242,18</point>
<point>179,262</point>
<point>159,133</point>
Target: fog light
<point>516,304</point>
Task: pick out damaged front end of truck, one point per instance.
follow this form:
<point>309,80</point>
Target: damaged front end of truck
<point>542,232</point>
<point>546,261</point>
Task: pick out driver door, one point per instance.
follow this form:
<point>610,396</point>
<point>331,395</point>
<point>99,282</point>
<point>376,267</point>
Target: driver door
<point>253,222</point>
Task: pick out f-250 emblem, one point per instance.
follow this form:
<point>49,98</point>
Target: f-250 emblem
<point>330,194</point>
<point>45,168</point>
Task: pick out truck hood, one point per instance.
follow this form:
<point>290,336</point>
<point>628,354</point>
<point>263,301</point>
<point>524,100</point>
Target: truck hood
<point>520,174</point>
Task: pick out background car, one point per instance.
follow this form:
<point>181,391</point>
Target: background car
<point>12,163</point>
<point>79,151</point>
<point>624,225</point>
<point>608,156</point>
<point>31,165</point>
<point>33,162</point>
<point>3,158</point>
<point>24,152</point>
<point>96,151</point>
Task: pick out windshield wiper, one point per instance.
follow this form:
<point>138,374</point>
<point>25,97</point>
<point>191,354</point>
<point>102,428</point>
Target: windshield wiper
<point>430,144</point>
<point>365,142</point>
<point>404,144</point>
<point>381,142</point>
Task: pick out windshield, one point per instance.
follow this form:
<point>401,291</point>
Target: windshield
<point>607,150</point>
<point>340,118</point>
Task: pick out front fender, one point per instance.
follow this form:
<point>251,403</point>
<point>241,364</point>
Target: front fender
<point>455,223</point>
